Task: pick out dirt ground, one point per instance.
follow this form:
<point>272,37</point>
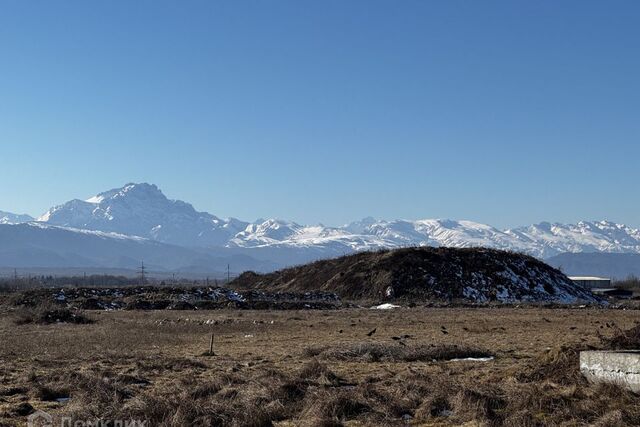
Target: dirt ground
<point>156,362</point>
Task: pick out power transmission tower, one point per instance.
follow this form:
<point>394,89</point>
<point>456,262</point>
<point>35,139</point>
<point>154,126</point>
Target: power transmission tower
<point>142,269</point>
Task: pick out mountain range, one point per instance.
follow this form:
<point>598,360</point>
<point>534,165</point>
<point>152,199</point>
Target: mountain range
<point>138,221</point>
<point>11,218</point>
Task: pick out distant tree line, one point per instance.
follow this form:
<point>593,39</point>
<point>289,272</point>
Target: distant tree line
<point>631,282</point>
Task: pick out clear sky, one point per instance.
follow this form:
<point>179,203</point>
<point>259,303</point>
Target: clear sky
<point>503,112</point>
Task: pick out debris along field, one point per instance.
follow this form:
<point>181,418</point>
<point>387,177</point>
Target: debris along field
<point>350,366</point>
<point>176,298</point>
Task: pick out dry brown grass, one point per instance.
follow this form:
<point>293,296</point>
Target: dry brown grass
<point>131,365</point>
<point>400,352</point>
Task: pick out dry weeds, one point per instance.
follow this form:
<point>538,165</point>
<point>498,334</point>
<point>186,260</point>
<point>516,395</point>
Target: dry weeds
<point>400,352</point>
<point>130,365</point>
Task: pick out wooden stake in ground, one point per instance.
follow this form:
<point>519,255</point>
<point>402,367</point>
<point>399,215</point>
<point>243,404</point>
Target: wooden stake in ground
<point>211,346</point>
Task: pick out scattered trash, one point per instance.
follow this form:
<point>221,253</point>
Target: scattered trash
<point>180,298</point>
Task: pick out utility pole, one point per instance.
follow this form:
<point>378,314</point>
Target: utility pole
<point>15,276</point>
<point>228,274</point>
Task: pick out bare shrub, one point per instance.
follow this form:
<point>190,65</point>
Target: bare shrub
<point>315,372</point>
<point>49,313</point>
<point>623,340</point>
<point>631,283</point>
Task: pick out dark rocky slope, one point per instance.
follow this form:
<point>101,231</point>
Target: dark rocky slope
<point>439,274</point>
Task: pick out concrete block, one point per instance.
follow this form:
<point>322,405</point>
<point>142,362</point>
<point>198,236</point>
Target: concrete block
<point>619,367</point>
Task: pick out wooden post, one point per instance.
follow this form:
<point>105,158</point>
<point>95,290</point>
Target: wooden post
<point>211,346</point>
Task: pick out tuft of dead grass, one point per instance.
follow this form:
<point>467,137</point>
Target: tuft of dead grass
<point>560,365</point>
<point>332,407</point>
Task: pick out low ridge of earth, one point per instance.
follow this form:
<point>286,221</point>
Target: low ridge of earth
<point>476,275</point>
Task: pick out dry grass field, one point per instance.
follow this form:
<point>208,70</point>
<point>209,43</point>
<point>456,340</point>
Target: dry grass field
<point>313,368</point>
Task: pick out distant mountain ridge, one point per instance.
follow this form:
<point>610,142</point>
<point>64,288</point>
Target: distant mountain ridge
<point>36,244</point>
<point>11,218</point>
<point>143,210</point>
<point>541,240</point>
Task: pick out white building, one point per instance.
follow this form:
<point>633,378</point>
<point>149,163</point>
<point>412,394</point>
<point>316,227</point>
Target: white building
<point>591,282</point>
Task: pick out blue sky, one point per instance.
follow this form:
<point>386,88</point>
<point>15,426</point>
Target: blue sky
<point>504,112</point>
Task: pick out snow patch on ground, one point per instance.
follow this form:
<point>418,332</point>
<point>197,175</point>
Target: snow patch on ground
<point>385,306</point>
<point>473,359</point>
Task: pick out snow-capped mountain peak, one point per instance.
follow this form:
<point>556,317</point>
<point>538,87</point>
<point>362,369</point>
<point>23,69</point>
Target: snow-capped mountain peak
<point>267,232</point>
<point>141,191</point>
<point>358,227</point>
<point>143,210</point>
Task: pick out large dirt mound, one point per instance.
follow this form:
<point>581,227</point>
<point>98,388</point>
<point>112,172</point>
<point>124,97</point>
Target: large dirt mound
<point>442,274</point>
